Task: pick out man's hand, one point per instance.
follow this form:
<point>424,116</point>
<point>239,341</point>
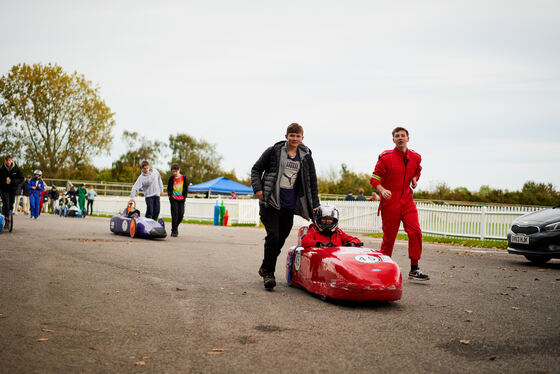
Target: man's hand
<point>260,195</point>
<point>413,182</point>
<point>384,192</point>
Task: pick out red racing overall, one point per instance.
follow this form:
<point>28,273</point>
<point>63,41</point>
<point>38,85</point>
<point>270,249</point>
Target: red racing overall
<point>394,171</point>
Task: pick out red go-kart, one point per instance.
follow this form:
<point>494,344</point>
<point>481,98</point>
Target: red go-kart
<point>345,273</point>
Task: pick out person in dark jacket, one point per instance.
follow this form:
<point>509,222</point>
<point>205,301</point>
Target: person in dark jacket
<point>72,195</point>
<point>285,182</point>
<point>177,189</point>
<point>10,179</point>
<point>53,199</point>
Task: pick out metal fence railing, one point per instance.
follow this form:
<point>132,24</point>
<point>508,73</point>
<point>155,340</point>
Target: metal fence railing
<point>464,221</point>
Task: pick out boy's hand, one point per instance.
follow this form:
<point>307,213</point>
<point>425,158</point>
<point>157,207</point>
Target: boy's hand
<point>260,195</point>
<point>413,182</point>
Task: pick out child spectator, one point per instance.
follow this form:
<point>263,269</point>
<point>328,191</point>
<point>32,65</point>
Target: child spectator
<point>324,231</point>
<point>177,188</point>
<point>62,205</point>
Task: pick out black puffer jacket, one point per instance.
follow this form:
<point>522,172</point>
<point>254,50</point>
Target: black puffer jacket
<point>14,174</point>
<point>265,177</point>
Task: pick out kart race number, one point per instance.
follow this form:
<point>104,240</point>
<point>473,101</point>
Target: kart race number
<point>297,260</point>
<point>124,225</point>
<point>519,239</point>
<point>367,259</point>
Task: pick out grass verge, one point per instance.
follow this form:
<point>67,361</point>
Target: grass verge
<point>496,244</point>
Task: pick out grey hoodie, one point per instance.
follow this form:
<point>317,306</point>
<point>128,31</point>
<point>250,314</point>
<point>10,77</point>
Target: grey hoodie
<point>150,183</point>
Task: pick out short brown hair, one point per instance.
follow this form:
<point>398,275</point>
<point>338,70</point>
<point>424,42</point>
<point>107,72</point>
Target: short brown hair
<point>398,128</point>
<point>144,163</point>
<point>8,157</point>
<point>175,166</point>
<point>294,128</point>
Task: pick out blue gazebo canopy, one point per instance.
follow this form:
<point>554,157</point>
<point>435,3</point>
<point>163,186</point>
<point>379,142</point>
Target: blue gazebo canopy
<point>221,185</point>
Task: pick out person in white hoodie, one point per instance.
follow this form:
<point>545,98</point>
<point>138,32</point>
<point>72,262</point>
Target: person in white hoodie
<point>151,184</point>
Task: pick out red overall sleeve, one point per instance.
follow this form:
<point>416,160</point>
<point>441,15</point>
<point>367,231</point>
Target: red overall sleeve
<point>347,238</point>
<point>419,168</point>
<point>308,239</point>
<point>379,171</point>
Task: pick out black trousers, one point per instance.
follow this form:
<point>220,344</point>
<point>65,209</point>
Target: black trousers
<point>278,224</point>
<point>152,207</point>
<point>177,212</point>
<point>89,208</point>
<point>8,198</point>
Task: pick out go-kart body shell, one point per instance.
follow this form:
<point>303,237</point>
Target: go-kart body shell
<point>346,273</point>
<point>74,211</point>
<point>146,228</point>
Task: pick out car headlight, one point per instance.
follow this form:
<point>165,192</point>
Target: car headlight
<point>553,227</point>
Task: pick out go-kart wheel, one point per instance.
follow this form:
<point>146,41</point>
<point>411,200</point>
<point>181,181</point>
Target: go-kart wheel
<point>132,228</point>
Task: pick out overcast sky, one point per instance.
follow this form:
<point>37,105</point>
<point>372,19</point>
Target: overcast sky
<point>477,83</point>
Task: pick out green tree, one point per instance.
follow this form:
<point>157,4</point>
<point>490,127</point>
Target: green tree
<point>127,167</point>
<point>61,119</point>
<point>198,159</point>
<point>10,136</point>
<point>539,194</point>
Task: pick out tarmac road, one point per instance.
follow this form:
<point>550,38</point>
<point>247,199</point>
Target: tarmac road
<point>194,304</point>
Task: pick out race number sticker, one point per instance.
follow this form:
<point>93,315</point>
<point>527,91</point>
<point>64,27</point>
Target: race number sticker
<point>367,259</point>
<point>297,259</point>
<point>124,225</point>
<point>386,258</point>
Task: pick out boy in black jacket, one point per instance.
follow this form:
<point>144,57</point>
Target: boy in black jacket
<point>177,188</point>
<point>285,182</point>
<point>10,178</point>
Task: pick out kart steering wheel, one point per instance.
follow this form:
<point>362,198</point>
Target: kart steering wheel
<point>132,212</point>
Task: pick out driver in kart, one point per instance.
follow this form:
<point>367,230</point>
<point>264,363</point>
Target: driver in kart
<point>324,231</point>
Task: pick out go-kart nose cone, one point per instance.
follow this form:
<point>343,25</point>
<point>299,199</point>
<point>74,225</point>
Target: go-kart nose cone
<point>158,232</point>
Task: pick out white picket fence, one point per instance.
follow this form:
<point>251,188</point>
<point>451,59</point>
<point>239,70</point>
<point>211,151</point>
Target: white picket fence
<point>482,222</point>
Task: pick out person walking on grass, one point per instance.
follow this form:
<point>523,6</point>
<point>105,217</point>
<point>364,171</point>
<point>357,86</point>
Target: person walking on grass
<point>177,189</point>
<point>285,182</point>
<point>396,173</point>
<point>152,186</point>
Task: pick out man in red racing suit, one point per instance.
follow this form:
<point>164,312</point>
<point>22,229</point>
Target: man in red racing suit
<point>396,171</point>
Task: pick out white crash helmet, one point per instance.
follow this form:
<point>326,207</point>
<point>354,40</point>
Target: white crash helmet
<point>326,210</point>
<point>38,172</point>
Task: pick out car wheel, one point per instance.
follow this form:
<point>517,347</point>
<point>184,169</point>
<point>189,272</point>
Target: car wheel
<point>538,260</point>
<point>132,228</point>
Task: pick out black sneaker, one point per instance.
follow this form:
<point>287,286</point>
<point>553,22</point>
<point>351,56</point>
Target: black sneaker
<point>174,233</point>
<point>269,281</point>
<point>418,275</point>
